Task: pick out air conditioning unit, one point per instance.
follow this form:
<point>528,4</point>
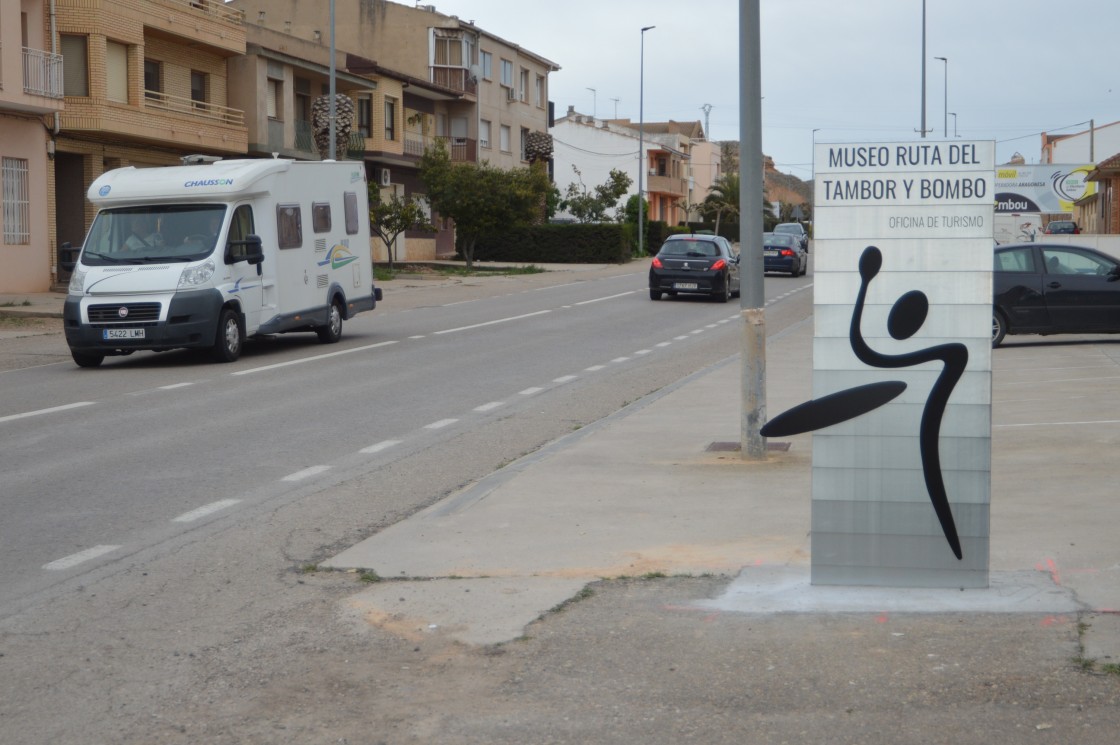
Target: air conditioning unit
<point>386,177</point>
<point>511,94</point>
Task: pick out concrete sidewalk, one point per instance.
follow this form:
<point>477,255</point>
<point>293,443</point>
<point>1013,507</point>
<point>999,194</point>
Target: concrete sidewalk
<point>644,492</point>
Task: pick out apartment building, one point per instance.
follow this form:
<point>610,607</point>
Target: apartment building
<point>30,97</point>
<point>437,77</point>
<point>145,83</point>
<point>678,164</point>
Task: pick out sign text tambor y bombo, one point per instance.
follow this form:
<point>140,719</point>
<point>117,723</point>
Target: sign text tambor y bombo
<point>953,186</point>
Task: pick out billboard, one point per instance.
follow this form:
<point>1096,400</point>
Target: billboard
<point>1046,188</point>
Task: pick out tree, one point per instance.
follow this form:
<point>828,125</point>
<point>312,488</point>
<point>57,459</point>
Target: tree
<point>723,196</point>
<point>592,206</point>
<point>387,220</point>
<point>481,198</point>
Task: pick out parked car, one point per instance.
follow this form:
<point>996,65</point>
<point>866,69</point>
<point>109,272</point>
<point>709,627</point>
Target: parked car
<point>795,229</point>
<point>782,252</point>
<point>704,264</point>
<point>1054,289</point>
<point>1062,226</point>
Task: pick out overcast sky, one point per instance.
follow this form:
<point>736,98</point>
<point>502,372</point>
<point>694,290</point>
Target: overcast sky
<point>848,68</point>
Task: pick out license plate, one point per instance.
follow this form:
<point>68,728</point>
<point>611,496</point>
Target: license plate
<point>684,285</point>
<point>769,253</point>
<point>122,333</point>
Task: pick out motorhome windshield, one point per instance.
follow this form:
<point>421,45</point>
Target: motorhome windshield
<point>153,234</point>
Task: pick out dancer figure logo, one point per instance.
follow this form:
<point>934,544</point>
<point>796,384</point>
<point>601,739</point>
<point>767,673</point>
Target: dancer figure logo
<point>906,317</point>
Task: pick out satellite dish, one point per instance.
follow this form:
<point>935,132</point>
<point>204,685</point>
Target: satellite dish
<point>475,71</point>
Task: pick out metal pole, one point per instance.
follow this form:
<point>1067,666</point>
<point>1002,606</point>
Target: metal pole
<point>641,139</point>
<point>752,297</point>
<point>946,61</point>
<point>332,111</point>
<point>923,69</point>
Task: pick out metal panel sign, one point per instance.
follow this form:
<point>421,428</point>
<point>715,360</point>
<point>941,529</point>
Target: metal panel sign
<point>901,405</point>
<point>1048,188</point>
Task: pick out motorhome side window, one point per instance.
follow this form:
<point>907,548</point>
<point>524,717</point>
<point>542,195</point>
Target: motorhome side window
<point>350,204</point>
<point>240,226</point>
<point>289,225</point>
<point>321,217</point>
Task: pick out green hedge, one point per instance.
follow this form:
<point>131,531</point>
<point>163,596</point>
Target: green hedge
<point>604,243</point>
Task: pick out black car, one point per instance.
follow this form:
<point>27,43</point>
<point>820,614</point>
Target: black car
<point>797,230</point>
<point>1054,289</point>
<point>703,264</point>
<point>783,253</point>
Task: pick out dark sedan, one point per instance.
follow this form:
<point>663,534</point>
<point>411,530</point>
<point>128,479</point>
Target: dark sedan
<point>783,253</point>
<point>703,264</point>
<point>1054,289</point>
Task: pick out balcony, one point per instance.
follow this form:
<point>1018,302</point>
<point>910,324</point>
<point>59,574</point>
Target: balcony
<point>208,22</point>
<point>455,78</point>
<point>461,149</point>
<point>42,73</point>
<point>677,187</point>
<point>199,110</point>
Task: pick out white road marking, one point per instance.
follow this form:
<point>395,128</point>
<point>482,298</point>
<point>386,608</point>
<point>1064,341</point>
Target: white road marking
<point>40,412</point>
<point>204,510</point>
<point>665,344</point>
<point>620,359</point>
<point>608,297</point>
<point>440,424</point>
<point>383,445</point>
<point>564,378</point>
<point>305,473</point>
<point>74,560</point>
<point>594,368</point>
<point>491,323</point>
<point>531,391</point>
<point>643,351</point>
<point>489,407</point>
<point>418,336</point>
<point>174,386</point>
<point>679,338</point>
<point>316,358</point>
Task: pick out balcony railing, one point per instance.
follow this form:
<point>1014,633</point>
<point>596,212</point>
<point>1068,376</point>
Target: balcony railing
<point>461,149</point>
<point>42,73</point>
<point>455,78</point>
<point>197,109</point>
<point>211,7</point>
<point>677,187</point>
<point>357,148</point>
<point>305,138</point>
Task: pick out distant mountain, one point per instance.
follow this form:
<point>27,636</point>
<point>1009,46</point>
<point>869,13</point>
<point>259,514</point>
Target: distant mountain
<point>782,187</point>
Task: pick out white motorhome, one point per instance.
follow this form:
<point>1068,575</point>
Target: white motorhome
<point>208,255</point>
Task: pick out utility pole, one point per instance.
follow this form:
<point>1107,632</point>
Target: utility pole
<point>752,297</point>
<point>616,100</point>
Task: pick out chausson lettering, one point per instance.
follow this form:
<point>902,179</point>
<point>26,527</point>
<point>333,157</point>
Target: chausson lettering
<point>209,182</point>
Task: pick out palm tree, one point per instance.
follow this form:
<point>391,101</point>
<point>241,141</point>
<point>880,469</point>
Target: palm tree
<point>723,196</point>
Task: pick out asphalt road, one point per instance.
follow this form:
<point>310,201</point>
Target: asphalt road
<point>163,507</point>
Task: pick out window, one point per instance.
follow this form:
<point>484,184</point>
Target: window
<point>365,115</point>
<point>302,90</point>
<point>507,73</point>
<point>199,85</point>
<point>116,71</point>
<point>1015,260</point>
<point>484,133</point>
<point>240,226</point>
<point>75,65</point>
<point>524,144</point>
<point>153,78</point>
<point>505,133</point>
<point>274,97</point>
<point>390,119</point>
<point>350,207</point>
<point>321,217</point>
<point>289,225</point>
<point>487,65</point>
<point>17,201</point>
<point>523,92</point>
<point>539,92</point>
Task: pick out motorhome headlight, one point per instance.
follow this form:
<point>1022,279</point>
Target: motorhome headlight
<point>77,282</point>
<point>198,275</point>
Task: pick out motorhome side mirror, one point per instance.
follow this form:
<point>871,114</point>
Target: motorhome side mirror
<point>67,256</point>
<point>252,253</point>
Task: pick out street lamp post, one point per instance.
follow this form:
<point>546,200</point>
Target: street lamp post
<point>946,61</point>
<point>952,114</point>
<point>641,137</point>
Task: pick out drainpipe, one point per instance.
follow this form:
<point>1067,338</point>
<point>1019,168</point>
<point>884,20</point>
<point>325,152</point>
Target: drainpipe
<point>54,50</point>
